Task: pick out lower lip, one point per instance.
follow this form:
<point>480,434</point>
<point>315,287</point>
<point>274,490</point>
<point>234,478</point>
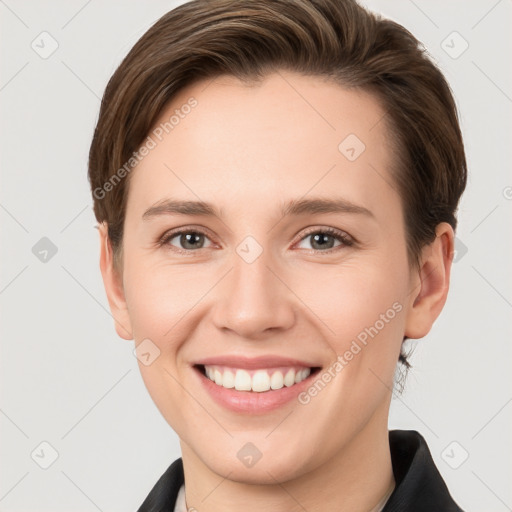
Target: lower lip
<point>253,402</point>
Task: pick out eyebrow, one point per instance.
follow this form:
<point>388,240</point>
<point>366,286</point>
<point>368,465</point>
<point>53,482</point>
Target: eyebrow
<point>293,207</point>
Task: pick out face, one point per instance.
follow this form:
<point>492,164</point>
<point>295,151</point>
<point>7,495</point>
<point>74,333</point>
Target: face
<point>299,279</point>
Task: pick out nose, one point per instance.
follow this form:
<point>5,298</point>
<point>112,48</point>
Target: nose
<point>253,300</point>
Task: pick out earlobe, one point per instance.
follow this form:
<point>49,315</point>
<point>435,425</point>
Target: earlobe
<point>113,286</point>
<point>431,282</point>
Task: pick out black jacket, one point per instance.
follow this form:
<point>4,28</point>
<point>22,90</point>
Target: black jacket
<point>419,486</point>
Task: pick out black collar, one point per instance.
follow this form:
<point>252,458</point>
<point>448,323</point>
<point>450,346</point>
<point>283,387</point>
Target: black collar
<point>419,485</point>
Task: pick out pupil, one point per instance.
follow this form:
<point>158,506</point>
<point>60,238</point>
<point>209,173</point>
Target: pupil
<point>321,236</point>
<point>189,239</point>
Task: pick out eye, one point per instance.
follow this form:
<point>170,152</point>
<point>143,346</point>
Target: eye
<point>322,239</point>
<point>189,239</point>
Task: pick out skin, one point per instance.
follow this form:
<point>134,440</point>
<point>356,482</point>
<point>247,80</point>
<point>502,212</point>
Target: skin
<point>248,150</point>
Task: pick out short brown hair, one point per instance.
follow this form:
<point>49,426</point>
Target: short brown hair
<point>336,39</point>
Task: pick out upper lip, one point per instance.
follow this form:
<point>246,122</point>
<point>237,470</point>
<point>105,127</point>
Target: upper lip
<point>266,361</point>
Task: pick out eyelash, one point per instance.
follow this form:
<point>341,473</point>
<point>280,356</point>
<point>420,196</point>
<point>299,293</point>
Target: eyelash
<point>346,240</point>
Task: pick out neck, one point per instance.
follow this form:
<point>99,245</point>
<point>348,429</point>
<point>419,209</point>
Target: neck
<point>358,477</point>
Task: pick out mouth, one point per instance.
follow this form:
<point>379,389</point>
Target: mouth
<point>257,380</point>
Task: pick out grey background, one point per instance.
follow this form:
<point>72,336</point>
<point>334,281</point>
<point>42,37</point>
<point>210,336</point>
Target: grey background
<point>68,380</point>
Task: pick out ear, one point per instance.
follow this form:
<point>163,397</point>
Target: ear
<point>430,283</point>
<point>112,280</point>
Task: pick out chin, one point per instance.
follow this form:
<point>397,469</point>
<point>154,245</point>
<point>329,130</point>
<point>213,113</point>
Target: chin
<point>246,464</point>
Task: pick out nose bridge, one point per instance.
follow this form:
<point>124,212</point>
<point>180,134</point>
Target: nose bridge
<point>253,299</point>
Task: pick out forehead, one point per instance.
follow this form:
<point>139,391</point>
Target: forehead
<point>225,141</point>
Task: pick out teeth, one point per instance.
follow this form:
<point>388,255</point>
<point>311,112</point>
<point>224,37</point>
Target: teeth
<point>277,380</point>
<point>289,378</point>
<point>261,381</point>
<point>256,380</point>
<point>228,379</point>
<point>242,381</point>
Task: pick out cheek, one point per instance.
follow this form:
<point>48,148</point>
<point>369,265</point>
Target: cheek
<point>160,304</point>
<point>160,298</point>
<point>354,296</point>
<point>360,313</point>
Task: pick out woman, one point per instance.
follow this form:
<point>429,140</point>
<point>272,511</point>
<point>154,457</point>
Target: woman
<point>276,186</point>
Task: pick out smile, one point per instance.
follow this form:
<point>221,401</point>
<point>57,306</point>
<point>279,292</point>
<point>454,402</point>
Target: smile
<point>256,390</point>
<point>257,380</point>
